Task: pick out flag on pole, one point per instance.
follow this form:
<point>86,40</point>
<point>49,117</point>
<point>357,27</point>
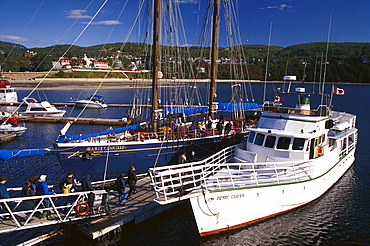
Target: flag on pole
<point>278,99</point>
<point>339,91</point>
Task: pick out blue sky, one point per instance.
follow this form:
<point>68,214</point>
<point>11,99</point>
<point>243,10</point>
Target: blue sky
<point>41,23</point>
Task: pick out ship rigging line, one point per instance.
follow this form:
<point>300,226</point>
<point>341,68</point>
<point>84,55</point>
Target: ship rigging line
<point>47,74</point>
<point>326,62</point>
<point>106,165</point>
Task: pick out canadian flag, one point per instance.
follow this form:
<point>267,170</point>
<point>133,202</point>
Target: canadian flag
<point>339,91</point>
<point>278,99</point>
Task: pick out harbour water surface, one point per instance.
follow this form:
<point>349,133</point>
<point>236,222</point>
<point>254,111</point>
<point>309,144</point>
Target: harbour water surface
<point>340,217</point>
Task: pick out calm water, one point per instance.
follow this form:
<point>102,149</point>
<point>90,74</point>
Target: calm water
<point>341,216</point>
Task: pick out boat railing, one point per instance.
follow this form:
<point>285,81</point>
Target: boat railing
<point>322,110</point>
<point>62,208</point>
<point>221,172</point>
<point>349,143</point>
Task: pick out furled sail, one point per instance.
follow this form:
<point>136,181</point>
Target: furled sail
<point>8,154</point>
<point>66,138</point>
<point>186,111</point>
<point>229,107</point>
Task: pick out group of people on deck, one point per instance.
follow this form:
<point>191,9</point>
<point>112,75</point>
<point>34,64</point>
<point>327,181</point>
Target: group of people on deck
<point>197,129</point>
<point>32,187</point>
<point>37,186</point>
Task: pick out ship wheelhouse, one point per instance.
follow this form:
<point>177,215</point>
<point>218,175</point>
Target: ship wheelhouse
<point>290,134</point>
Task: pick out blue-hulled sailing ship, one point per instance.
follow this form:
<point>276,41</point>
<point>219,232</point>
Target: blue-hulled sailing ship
<point>108,153</point>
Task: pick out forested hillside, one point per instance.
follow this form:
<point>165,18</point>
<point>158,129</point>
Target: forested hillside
<point>347,62</point>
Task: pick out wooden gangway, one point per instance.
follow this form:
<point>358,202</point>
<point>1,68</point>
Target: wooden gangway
<point>63,208</point>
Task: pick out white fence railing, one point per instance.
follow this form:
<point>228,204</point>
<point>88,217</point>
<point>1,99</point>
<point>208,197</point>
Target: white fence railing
<point>218,172</point>
<point>54,209</point>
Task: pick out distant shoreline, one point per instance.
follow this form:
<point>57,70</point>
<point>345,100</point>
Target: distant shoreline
<point>94,83</point>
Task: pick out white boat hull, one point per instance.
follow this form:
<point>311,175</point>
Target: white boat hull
<point>229,209</point>
<point>8,129</point>
<point>43,113</point>
<point>8,95</point>
<point>43,108</point>
<point>89,104</point>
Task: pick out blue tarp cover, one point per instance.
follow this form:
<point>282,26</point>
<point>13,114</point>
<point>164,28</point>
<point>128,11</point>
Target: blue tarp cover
<point>68,137</point>
<point>8,154</point>
<point>222,106</point>
<point>237,106</point>
<point>187,111</point>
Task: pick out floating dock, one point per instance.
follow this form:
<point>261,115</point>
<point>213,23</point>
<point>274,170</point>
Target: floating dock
<point>6,137</point>
<point>139,207</point>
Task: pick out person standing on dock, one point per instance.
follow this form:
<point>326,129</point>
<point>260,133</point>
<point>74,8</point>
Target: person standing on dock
<point>66,180</point>
<point>43,189</point>
<point>122,193</point>
<point>87,186</point>
<point>34,181</point>
<point>4,195</point>
<point>131,180</point>
<point>26,192</point>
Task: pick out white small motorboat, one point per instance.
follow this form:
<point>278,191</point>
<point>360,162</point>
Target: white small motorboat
<point>93,101</point>
<point>7,93</point>
<point>15,129</point>
<point>43,108</point>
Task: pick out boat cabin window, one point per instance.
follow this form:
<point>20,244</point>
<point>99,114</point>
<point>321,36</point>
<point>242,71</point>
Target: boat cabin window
<point>344,144</point>
<point>259,139</point>
<point>37,109</point>
<point>283,143</point>
<point>251,137</point>
<point>332,142</point>
<point>270,141</point>
<point>351,139</point>
<point>298,143</point>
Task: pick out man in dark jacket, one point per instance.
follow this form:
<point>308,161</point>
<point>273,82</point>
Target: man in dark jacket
<point>87,186</point>
<point>122,193</point>
<point>4,194</point>
<point>131,180</point>
<point>26,192</point>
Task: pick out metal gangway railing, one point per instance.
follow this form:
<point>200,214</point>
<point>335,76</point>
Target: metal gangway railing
<point>223,171</point>
<point>60,208</point>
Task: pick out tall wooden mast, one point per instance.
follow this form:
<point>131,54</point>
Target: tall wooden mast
<point>213,57</point>
<point>155,65</point>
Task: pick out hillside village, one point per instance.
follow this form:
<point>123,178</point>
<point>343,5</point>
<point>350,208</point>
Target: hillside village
<point>347,62</point>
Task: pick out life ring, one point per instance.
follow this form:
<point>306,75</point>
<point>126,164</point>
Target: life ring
<point>84,206</point>
<point>319,150</point>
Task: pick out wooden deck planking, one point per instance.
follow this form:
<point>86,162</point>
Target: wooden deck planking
<point>139,207</point>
